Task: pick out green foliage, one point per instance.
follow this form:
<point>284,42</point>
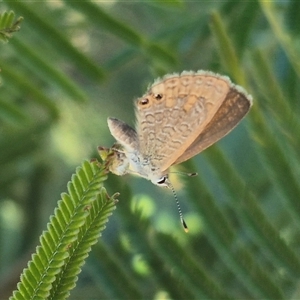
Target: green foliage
<point>8,25</point>
<point>73,64</point>
<point>75,226</point>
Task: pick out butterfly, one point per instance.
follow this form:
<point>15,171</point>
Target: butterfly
<point>178,117</point>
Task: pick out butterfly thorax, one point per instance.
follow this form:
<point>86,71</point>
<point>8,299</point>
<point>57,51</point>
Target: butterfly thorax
<point>144,167</point>
<point>120,162</point>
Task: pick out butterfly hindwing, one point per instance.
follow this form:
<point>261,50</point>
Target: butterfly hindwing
<point>235,106</point>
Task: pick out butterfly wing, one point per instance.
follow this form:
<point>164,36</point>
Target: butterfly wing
<point>236,105</point>
<point>174,112</point>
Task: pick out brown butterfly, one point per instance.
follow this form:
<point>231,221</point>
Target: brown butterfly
<point>179,116</point>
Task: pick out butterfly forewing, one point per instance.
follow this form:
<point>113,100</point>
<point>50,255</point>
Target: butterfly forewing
<point>174,112</point>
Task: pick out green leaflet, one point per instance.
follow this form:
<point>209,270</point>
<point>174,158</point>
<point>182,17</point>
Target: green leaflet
<point>8,25</point>
<point>75,226</point>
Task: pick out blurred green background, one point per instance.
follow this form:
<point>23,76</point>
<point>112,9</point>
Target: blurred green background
<point>73,64</point>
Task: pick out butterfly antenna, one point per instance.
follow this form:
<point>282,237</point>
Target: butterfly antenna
<point>186,229</point>
<point>186,174</point>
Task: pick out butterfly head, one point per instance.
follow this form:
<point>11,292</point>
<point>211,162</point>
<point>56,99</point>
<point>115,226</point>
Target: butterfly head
<point>114,159</point>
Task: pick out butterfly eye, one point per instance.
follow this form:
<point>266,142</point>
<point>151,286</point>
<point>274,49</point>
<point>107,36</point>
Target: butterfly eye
<point>162,180</point>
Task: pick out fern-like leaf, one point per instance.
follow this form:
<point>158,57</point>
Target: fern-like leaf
<point>8,26</point>
<point>99,210</point>
<point>74,227</point>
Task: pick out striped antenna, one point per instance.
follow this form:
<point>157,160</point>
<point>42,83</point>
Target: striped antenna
<point>186,229</point>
